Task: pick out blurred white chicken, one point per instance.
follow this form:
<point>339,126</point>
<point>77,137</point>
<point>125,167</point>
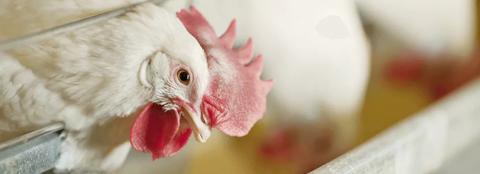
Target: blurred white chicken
<point>430,43</point>
<point>431,26</point>
<point>319,59</point>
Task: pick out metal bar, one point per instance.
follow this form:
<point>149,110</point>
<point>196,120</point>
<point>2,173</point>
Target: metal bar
<point>37,36</point>
<point>420,144</point>
<point>56,127</point>
<point>34,152</point>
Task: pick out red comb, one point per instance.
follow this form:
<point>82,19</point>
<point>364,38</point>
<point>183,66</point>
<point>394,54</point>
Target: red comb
<point>236,96</point>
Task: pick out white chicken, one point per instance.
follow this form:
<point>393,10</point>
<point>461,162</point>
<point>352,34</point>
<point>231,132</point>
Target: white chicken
<point>429,43</point>
<point>142,69</point>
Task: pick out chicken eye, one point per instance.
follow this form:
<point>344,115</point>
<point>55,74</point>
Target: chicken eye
<point>183,76</point>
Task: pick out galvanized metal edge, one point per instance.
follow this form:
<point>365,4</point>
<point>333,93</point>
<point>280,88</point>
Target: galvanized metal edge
<point>420,144</point>
<point>34,152</point>
<point>56,127</point>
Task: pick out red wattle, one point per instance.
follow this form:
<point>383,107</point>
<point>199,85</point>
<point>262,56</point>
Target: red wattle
<point>158,132</point>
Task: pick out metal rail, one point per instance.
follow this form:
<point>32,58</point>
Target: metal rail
<point>420,144</point>
<point>34,152</point>
<point>56,127</point>
<point>37,36</point>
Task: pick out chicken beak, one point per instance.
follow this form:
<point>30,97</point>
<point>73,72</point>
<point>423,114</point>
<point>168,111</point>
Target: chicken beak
<point>201,130</point>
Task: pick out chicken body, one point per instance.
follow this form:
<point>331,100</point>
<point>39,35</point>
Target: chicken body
<point>88,79</point>
<point>319,58</point>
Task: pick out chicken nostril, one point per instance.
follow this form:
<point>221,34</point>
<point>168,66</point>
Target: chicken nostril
<point>205,119</point>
